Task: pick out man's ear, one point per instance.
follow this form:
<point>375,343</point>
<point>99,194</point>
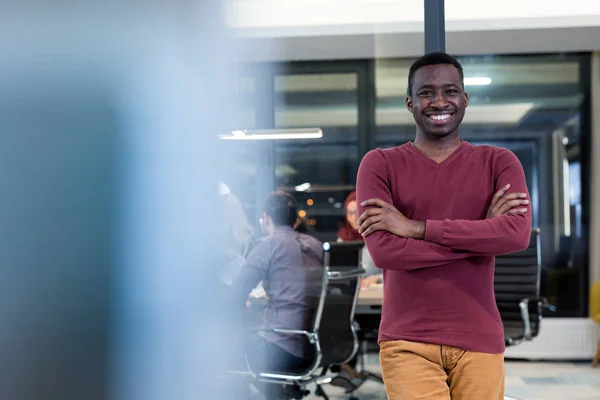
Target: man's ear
<point>409,103</point>
<point>466,99</point>
<point>264,218</point>
<point>297,223</point>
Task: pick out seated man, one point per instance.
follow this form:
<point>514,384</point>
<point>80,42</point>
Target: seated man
<point>290,265</point>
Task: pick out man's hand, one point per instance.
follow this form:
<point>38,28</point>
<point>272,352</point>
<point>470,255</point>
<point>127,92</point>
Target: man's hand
<point>385,217</point>
<point>504,203</point>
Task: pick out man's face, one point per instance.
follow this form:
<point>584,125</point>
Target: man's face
<point>438,100</point>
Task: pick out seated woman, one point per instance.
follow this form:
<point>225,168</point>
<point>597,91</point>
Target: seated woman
<point>349,232</point>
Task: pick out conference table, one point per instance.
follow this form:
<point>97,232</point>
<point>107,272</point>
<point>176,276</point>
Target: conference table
<point>372,296</point>
<point>369,300</point>
<point>367,312</point>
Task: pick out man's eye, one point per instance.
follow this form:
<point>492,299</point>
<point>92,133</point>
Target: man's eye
<point>426,93</point>
<point>452,91</point>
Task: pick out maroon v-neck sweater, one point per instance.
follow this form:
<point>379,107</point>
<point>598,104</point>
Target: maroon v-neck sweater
<point>441,290</point>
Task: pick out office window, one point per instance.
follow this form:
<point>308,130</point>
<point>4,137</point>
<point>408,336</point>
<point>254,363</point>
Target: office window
<point>535,106</point>
<point>507,95</point>
<point>320,173</point>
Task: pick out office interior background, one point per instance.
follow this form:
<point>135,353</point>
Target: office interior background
<point>110,119</point>
<point>531,82</point>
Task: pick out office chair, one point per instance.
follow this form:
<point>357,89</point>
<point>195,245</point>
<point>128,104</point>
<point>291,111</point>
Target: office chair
<point>517,290</point>
<point>332,335</point>
<point>367,332</point>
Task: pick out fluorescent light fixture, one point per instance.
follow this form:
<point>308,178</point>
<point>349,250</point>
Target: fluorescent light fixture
<point>302,187</point>
<point>478,81</point>
<point>274,134</point>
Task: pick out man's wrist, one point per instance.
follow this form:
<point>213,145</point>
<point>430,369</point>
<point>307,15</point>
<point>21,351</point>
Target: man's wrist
<point>418,230</point>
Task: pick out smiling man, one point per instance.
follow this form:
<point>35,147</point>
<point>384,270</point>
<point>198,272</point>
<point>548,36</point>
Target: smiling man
<point>434,213</point>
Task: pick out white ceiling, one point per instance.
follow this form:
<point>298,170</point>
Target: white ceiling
<point>279,30</point>
<point>274,18</point>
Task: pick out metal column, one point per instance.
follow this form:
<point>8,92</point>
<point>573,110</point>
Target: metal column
<point>435,28</point>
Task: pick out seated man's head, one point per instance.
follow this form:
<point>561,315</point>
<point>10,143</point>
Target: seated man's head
<point>280,209</point>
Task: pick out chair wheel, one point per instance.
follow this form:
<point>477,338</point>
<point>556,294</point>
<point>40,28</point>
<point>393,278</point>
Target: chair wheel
<point>353,398</point>
<point>295,393</point>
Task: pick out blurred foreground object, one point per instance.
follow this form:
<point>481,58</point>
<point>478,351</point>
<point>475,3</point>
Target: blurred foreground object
<point>109,116</point>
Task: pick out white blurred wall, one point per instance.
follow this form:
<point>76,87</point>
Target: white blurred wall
<point>109,113</point>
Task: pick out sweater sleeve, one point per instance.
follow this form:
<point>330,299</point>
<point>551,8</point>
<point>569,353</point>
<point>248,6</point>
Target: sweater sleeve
<point>495,236</point>
<point>387,250</point>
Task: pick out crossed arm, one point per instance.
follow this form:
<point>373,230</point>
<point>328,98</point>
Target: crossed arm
<point>396,242</point>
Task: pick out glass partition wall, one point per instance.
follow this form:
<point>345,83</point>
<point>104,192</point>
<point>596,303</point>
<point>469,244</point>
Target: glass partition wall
<point>535,105</point>
<point>321,173</point>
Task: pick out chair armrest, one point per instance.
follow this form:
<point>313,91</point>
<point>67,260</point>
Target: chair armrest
<point>542,302</point>
<point>308,334</point>
<point>335,275</point>
<point>312,338</point>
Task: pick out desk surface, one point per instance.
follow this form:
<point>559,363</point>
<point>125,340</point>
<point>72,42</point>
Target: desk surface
<point>372,296</point>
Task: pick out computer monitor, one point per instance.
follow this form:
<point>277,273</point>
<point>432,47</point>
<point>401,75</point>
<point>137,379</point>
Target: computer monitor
<point>342,255</point>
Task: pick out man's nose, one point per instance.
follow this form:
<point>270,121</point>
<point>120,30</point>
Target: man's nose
<point>440,101</point>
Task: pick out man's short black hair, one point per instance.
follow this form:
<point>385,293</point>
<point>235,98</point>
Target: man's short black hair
<point>433,59</point>
<point>282,208</point>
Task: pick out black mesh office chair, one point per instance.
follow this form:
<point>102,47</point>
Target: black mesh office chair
<point>333,334</point>
<point>368,332</point>
<point>368,325</point>
<point>338,333</point>
<point>517,289</point>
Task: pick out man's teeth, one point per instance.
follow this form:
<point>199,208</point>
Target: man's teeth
<point>439,117</point>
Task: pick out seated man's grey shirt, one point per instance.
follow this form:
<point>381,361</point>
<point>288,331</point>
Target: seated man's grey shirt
<point>290,265</point>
